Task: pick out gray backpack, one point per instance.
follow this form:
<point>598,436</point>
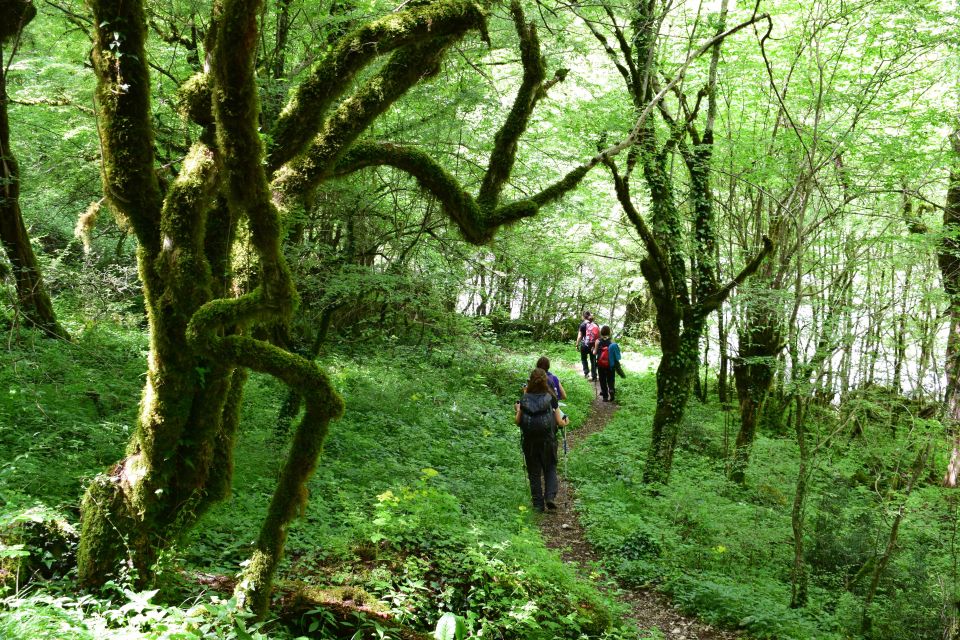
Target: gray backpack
<point>536,415</point>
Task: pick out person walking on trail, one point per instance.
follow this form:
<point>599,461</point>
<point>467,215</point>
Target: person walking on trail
<point>607,353</point>
<point>586,338</point>
<point>555,384</point>
<point>538,415</point>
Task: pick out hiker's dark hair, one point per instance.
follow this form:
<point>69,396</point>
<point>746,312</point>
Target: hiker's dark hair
<point>586,314</point>
<point>605,330</point>
<point>543,363</point>
<point>538,383</point>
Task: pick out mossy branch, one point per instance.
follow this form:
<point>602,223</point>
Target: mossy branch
<point>504,153</point>
<point>456,202</point>
<point>124,117</point>
<point>235,110</point>
<point>561,187</point>
<point>323,404</point>
<point>477,224</point>
<point>406,67</point>
<point>658,261</point>
<point>221,472</point>
<point>303,116</point>
<point>713,301</point>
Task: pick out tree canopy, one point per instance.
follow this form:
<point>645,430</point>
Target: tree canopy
<point>765,194</point>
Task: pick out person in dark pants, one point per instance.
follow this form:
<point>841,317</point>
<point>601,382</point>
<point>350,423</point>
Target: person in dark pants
<point>607,353</point>
<point>538,415</point>
<point>586,338</point>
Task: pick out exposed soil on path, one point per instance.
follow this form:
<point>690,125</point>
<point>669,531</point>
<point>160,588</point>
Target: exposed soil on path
<point>561,530</point>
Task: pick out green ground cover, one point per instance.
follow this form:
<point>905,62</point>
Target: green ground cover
<point>419,505</point>
<point>726,552</point>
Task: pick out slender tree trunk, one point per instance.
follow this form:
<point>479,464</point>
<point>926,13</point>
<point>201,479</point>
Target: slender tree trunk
<point>282,35</point>
<point>799,575</point>
<point>900,335</point>
<point>32,296</point>
<point>724,357</point>
<point>949,262</point>
<point>888,551</point>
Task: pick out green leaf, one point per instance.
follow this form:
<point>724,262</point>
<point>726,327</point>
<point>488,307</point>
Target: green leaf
<point>450,627</point>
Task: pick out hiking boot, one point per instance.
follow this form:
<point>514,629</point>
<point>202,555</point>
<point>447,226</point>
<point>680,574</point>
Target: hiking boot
<point>551,504</point>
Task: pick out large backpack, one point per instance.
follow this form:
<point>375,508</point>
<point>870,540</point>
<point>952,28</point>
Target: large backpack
<point>603,360</point>
<point>591,334</point>
<point>536,415</point>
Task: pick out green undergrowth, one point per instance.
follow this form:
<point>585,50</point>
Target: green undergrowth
<point>66,410</point>
<point>726,552</point>
<point>419,502</point>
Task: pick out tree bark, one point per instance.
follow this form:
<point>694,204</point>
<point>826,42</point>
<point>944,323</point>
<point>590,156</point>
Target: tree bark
<point>760,343</point>
<point>681,313</point>
<point>948,258</point>
<point>32,297</point>
<point>204,336</point>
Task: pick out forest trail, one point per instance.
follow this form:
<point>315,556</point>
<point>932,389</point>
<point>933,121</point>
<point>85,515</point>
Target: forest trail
<point>561,530</point>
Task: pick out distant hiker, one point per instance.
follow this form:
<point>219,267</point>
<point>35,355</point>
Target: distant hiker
<point>558,390</point>
<point>586,338</point>
<point>608,357</point>
<point>539,415</point>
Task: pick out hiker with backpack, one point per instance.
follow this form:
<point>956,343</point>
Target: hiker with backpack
<point>608,358</point>
<point>538,415</point>
<point>586,339</point>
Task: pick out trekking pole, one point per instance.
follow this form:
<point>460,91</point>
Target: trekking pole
<point>563,430</point>
<point>566,448</point>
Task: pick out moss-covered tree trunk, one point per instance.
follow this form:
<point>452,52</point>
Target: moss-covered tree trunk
<point>760,342</point>
<point>34,302</point>
<point>675,375</point>
<point>683,300</point>
<point>179,459</point>
<point>202,336</point>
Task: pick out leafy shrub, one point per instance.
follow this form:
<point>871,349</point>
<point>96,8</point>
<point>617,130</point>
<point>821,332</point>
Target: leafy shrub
<point>35,541</point>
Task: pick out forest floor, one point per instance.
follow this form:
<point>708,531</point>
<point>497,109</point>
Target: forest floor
<point>562,531</point>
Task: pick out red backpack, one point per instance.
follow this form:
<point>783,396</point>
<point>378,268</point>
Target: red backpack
<point>591,334</point>
<point>604,359</point>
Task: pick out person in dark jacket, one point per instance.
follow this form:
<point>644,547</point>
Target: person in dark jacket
<point>586,338</point>
<point>607,363</point>
<point>540,449</point>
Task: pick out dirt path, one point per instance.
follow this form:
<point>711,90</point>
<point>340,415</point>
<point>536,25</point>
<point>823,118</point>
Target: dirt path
<point>561,530</point>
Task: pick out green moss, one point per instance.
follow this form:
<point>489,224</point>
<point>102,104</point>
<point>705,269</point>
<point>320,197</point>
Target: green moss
<point>105,525</point>
<point>194,100</point>
<point>304,114</point>
<point>563,186</point>
<point>221,471</point>
<point>125,116</point>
